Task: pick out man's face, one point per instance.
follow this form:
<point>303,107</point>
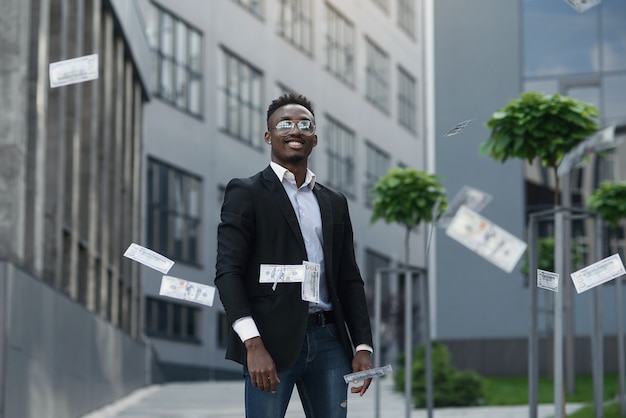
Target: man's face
<point>291,146</point>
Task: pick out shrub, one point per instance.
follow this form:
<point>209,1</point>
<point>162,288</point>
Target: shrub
<point>451,387</point>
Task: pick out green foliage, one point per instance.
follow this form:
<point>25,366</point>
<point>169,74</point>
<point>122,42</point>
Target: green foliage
<point>451,387</point>
<point>545,256</point>
<point>610,201</point>
<point>407,196</point>
<point>536,125</point>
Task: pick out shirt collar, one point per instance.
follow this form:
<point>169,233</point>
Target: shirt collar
<point>282,173</point>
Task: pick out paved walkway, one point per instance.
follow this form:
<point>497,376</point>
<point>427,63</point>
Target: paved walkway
<point>224,399</point>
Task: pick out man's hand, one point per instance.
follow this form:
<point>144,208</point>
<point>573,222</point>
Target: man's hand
<point>362,361</point>
<point>261,366</point>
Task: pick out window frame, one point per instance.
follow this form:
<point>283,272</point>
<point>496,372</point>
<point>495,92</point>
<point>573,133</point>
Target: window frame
<point>241,99</point>
<point>383,4</point>
<point>377,76</point>
<point>375,155</point>
<point>177,62</point>
<point>406,17</point>
<point>340,46</point>
<point>166,213</point>
<point>254,7</point>
<point>341,162</point>
<point>161,317</point>
<point>295,25</point>
<point>407,100</point>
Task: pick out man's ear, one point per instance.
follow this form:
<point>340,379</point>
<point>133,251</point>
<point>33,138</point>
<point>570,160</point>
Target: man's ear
<point>314,140</point>
<point>268,137</point>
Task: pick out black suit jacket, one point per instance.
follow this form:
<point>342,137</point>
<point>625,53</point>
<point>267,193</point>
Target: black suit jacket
<point>259,226</point>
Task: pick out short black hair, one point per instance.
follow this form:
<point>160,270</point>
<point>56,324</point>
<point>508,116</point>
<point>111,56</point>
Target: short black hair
<point>289,98</point>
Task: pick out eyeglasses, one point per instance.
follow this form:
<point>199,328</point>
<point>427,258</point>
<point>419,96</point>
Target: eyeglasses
<point>306,127</point>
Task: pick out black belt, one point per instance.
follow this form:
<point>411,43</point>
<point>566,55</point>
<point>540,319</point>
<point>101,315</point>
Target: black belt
<point>319,319</point>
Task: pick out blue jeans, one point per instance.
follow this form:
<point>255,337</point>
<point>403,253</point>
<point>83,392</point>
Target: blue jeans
<point>318,375</point>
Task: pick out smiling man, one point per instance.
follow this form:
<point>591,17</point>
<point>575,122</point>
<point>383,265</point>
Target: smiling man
<point>288,278</point>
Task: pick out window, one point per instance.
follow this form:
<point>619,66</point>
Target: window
<point>406,16</point>
<point>340,153</point>
<point>557,40</point>
<point>171,320</point>
<point>177,67</point>
<point>613,99</point>
<point>383,4</point>
<point>406,100</point>
<point>611,23</point>
<point>377,76</point>
<point>253,6</point>
<point>340,47</point>
<point>295,24</point>
<point>605,167</point>
<point>173,212</point>
<point>240,101</point>
<point>284,89</point>
<point>377,166</point>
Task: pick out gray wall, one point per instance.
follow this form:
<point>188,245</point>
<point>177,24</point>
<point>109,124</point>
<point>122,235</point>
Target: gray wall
<point>477,71</point>
<point>508,356</point>
<point>58,359</point>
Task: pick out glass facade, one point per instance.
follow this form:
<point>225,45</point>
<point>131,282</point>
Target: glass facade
<point>582,55</point>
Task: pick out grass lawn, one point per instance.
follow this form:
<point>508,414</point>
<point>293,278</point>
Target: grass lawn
<point>514,390</point>
<point>611,410</point>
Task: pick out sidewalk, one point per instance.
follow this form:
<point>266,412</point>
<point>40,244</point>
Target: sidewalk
<point>224,399</point>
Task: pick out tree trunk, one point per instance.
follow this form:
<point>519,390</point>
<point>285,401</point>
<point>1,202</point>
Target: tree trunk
<point>407,254</point>
<point>557,192</point>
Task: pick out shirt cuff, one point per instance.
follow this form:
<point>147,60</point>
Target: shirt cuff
<point>364,347</point>
<point>246,328</point>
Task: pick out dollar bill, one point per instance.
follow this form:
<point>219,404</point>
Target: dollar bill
<point>486,239</point>
<point>472,198</point>
<point>582,5</point>
<point>187,290</point>
<point>149,258</point>
<point>279,273</point>
<point>598,273</point>
<point>459,127</point>
<point>548,280</point>
<point>311,283</point>
<point>73,71</point>
<point>366,374</point>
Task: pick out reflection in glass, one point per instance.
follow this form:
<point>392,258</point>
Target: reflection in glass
<point>542,86</point>
<point>614,35</point>
<point>559,40</point>
<point>615,99</point>
<point>589,94</point>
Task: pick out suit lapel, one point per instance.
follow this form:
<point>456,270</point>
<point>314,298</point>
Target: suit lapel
<point>273,185</point>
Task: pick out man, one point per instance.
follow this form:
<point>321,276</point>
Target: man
<point>283,217</point>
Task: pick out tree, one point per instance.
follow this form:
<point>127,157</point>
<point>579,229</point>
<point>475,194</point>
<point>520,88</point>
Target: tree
<point>408,197</point>
<point>609,200</point>
<point>539,126</point>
